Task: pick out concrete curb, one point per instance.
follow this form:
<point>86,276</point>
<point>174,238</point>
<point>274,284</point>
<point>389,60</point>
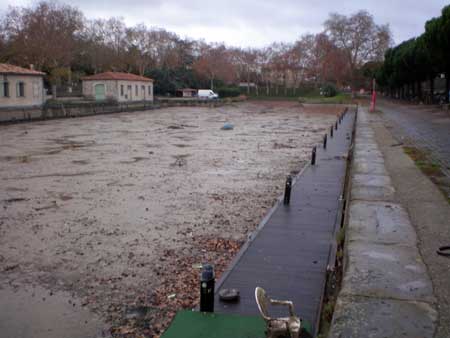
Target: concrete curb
<point>386,290</point>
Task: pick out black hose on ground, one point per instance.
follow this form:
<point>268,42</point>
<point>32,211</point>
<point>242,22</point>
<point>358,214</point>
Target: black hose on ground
<point>444,251</point>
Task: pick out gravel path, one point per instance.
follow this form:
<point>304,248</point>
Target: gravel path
<point>425,127</point>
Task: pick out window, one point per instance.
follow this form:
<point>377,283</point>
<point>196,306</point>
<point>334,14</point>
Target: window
<point>36,89</point>
<point>149,90</point>
<point>137,90</point>
<point>143,89</point>
<point>20,89</point>
<point>121,90</point>
<point>5,89</point>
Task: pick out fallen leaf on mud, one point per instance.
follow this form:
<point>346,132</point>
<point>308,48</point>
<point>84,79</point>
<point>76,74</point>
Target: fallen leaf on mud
<point>124,330</point>
<point>182,278</point>
<point>11,267</point>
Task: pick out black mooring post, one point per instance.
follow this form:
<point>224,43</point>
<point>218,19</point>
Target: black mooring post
<point>331,131</point>
<point>287,190</point>
<point>325,142</point>
<point>335,126</point>
<point>207,288</point>
<point>313,156</point>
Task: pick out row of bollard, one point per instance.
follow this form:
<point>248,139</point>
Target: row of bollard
<point>288,186</point>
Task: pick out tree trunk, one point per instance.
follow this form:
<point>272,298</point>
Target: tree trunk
<point>447,87</point>
<point>432,89</point>
<point>419,90</point>
<point>212,83</point>
<point>248,82</point>
<point>267,89</point>
<point>69,80</point>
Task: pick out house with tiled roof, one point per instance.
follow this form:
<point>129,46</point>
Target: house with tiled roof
<point>118,86</point>
<point>20,87</point>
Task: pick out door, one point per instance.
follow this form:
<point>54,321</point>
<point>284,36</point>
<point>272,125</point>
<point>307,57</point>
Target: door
<point>99,92</point>
<point>130,93</point>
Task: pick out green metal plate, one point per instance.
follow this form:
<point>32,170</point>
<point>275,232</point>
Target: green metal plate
<point>193,324</point>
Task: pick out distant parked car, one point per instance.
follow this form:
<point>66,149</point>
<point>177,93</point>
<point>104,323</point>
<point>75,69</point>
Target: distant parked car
<point>207,94</point>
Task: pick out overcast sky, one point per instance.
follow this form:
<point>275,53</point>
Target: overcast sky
<point>254,23</point>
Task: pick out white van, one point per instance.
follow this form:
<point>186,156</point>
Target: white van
<point>207,94</point>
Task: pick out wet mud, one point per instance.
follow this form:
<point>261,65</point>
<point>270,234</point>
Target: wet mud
<point>107,209</point>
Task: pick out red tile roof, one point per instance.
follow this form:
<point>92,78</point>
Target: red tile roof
<point>6,68</point>
<point>117,76</point>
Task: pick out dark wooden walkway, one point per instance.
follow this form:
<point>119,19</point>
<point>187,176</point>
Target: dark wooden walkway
<point>289,253</point>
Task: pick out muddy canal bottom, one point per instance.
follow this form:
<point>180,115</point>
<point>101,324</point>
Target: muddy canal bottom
<point>113,212</point>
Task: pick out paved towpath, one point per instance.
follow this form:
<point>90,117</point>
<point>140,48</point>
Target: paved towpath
<point>289,254</point>
<point>386,291</point>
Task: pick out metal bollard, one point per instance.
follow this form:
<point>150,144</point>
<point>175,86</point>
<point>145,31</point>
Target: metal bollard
<point>313,156</point>
<point>325,141</point>
<point>331,131</point>
<point>207,283</point>
<point>335,126</point>
<point>287,190</point>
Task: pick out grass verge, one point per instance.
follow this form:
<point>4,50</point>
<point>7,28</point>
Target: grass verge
<point>429,168</point>
<point>333,284</point>
<point>273,98</point>
<point>341,98</point>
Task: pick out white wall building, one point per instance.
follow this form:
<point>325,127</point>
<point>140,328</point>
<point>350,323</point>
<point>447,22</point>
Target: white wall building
<point>20,87</point>
<point>118,86</point>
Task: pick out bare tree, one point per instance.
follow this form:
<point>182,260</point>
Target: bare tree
<point>359,38</point>
<point>45,35</point>
<point>139,46</point>
<point>245,61</point>
<point>263,58</point>
<point>56,37</point>
<point>214,63</point>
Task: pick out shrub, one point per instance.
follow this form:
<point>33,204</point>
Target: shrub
<point>228,92</point>
<point>328,90</point>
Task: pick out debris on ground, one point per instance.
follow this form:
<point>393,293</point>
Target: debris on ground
<point>227,126</point>
<point>179,287</point>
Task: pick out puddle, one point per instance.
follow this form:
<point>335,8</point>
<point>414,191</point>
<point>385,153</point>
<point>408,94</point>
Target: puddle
<point>31,312</point>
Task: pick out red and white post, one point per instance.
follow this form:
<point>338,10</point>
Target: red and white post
<point>374,96</point>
